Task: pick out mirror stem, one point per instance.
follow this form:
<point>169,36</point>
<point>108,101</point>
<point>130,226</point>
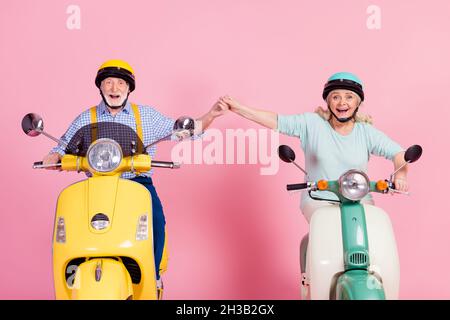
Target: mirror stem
<point>300,168</point>
<point>155,142</point>
<point>53,138</point>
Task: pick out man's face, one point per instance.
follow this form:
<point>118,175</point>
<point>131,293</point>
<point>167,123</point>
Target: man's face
<point>115,91</point>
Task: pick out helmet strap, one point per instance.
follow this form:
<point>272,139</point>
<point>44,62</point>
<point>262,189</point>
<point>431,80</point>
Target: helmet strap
<point>344,120</point>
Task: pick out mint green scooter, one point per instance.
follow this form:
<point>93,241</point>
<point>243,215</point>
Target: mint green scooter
<point>335,259</point>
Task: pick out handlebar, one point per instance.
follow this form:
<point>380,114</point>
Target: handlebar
<point>165,164</point>
<point>333,186</point>
<point>296,186</point>
<point>39,165</point>
<point>154,164</point>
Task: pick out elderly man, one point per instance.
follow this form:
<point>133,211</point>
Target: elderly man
<point>116,80</point>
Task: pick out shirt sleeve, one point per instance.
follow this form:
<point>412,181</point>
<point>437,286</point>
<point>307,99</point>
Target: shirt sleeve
<point>73,128</point>
<point>381,145</point>
<point>166,127</point>
<point>292,125</point>
<point>162,126</point>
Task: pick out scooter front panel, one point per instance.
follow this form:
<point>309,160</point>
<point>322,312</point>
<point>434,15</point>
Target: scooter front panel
<point>78,203</point>
<point>325,259</point>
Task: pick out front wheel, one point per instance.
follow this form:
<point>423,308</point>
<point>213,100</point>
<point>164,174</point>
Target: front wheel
<point>359,285</point>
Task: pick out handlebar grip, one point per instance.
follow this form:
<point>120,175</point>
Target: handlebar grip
<point>40,165</point>
<point>297,186</point>
<point>165,164</point>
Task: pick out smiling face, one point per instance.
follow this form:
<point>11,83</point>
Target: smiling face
<point>115,91</point>
<point>343,103</point>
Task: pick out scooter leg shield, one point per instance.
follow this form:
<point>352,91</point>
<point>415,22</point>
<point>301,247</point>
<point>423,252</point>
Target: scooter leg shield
<point>384,259</point>
<point>325,254</point>
<point>102,279</point>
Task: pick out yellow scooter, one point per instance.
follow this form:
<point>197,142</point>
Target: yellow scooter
<point>102,241</point>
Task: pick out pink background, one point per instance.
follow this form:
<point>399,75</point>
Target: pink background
<point>233,233</point>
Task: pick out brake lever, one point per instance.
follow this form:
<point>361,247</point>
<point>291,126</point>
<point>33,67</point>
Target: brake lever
<point>392,191</point>
<point>311,188</point>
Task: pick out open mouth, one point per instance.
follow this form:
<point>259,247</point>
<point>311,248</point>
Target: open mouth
<point>342,111</point>
<point>114,96</point>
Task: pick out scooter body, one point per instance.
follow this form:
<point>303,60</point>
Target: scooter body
<point>351,252</point>
<point>109,263</point>
<point>103,237</point>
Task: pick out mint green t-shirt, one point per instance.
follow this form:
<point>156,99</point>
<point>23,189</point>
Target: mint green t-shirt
<point>329,154</point>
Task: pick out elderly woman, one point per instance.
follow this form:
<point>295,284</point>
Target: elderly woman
<point>335,139</point>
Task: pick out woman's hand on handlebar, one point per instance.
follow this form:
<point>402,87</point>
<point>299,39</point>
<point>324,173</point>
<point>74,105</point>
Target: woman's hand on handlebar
<point>401,183</point>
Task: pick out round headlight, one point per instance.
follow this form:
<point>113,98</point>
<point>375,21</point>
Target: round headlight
<point>104,155</point>
<point>354,185</point>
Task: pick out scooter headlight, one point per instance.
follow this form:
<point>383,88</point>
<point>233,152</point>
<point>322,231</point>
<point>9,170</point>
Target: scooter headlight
<point>354,185</point>
<point>104,155</point>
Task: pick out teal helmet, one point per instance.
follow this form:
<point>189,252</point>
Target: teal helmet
<point>343,80</point>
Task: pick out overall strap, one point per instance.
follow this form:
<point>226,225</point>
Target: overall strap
<point>137,117</point>
<point>94,123</point>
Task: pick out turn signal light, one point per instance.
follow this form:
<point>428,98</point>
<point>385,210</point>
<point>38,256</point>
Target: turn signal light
<point>382,185</point>
<point>322,184</point>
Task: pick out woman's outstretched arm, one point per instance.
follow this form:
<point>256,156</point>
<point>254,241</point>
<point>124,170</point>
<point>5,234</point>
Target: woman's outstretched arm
<point>265,118</point>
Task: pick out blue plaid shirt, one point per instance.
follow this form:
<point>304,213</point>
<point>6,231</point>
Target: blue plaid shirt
<point>154,127</point>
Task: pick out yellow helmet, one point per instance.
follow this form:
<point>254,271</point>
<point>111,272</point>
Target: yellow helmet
<point>117,69</point>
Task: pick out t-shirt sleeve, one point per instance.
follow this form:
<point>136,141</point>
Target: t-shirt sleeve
<point>381,145</point>
<point>292,125</point>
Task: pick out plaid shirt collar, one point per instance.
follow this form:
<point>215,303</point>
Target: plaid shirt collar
<point>104,109</point>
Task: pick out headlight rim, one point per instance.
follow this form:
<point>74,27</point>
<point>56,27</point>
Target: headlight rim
<point>342,187</point>
<point>104,141</point>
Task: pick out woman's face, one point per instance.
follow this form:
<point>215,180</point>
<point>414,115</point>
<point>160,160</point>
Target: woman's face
<point>343,103</point>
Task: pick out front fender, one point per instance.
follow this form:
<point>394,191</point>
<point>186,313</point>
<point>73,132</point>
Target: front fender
<point>114,282</point>
<point>359,285</point>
